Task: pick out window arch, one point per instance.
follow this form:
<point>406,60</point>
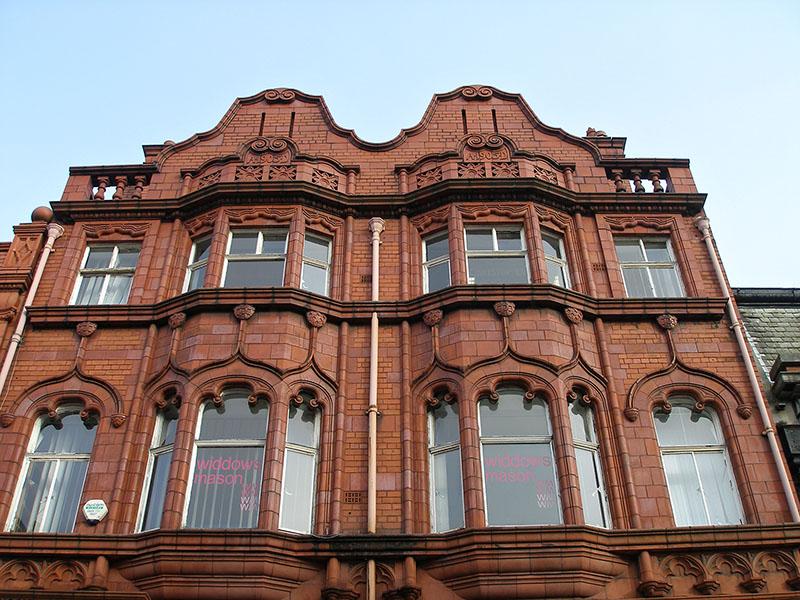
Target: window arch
<point>227,463</point>
<point>520,485</point>
<point>587,456</point>
<point>702,488</point>
<point>300,464</point>
<point>54,471</point>
<point>444,449</point>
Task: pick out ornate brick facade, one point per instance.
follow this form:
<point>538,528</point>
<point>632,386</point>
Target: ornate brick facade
<point>479,157</point>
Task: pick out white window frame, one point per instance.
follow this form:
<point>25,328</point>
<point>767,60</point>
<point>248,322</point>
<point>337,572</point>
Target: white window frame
<point>257,256</point>
<point>494,253</point>
<point>594,450</point>
<point>300,449</point>
<point>647,265</point>
<point>316,262</point>
<point>59,458</point>
<point>192,266</point>
<point>528,439</point>
<point>433,451</point>
<point>693,450</point>
<point>427,264</point>
<point>107,272</point>
<point>155,451</point>
<point>226,443</point>
<point>562,262</point>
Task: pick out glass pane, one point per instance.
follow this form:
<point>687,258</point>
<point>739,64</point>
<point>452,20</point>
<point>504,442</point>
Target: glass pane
<point>436,246</point>
<point>582,420</point>
<point>99,258</point>
<point>34,495</point>
<point>201,249</point>
<point>197,277</point>
<point>520,484</point>
<point>66,495</point>
<point>316,248</point>
<point>234,420</point>
<point>72,437</point>
<point>118,288</point>
<point>127,257</point>
<point>656,251</point>
<point>226,487</point>
<point>274,241</point>
<point>479,239</point>
<point>505,269</point>
<point>438,276</point>
<point>165,434</point>
<point>551,246</point>
<point>512,415</point>
<point>591,482</point>
<point>722,497</point>
<point>684,490</point>
<point>89,291</point>
<point>301,427</point>
<point>555,274</point>
<point>684,427</point>
<point>254,273</point>
<point>629,250</point>
<point>315,279</point>
<point>445,424</point>
<point>637,284</point>
<point>298,492</point>
<point>448,498</point>
<point>509,240</point>
<point>244,242</point>
<point>159,477</point>
<point>666,282</point>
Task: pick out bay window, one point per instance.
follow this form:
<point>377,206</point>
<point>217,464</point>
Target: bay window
<point>520,485</point>
<point>225,484</point>
<point>649,269</point>
<point>300,466</point>
<point>198,264</point>
<point>315,275</point>
<point>435,262</point>
<point>447,496</point>
<point>587,457</point>
<point>106,274</point>
<point>53,473</point>
<point>496,255</point>
<point>702,488</point>
<point>255,258</point>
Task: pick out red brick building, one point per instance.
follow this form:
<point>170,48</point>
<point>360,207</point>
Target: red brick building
<point>485,359</point>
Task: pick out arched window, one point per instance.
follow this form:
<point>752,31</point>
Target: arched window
<point>300,466</point>
<point>225,486</point>
<point>447,496</point>
<point>54,471</point>
<point>701,485</point>
<point>518,468</point>
<point>158,464</point>
<point>587,456</point>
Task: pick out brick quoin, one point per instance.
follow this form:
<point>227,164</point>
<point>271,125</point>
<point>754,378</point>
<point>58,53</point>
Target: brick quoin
<point>479,158</point>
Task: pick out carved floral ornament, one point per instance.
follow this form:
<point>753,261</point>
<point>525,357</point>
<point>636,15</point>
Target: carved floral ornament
<point>580,396</point>
<point>479,140</point>
<point>307,397</point>
<point>573,315</point>
<point>441,394</point>
<point>278,95</point>
<point>244,311</point>
<point>433,317</point>
<point>177,319</point>
<point>86,328</point>
<point>504,308</point>
<point>472,92</point>
<point>316,319</point>
<point>667,321</point>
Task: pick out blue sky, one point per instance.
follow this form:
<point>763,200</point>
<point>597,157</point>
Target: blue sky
<point>87,83</point>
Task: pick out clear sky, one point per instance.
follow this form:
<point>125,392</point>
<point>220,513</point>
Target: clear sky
<point>87,83</point>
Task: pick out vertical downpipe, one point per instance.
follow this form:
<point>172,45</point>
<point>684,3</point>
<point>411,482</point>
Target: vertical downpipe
<point>376,226</point>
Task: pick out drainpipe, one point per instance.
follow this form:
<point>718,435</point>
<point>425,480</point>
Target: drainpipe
<point>376,226</point>
<point>703,225</point>
<point>54,231</point>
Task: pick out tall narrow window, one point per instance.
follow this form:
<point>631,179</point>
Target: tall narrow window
<point>158,469</point>
<point>106,274</point>
<point>518,468</point>
<point>702,488</point>
<point>556,259</point>
<point>255,258</point>
<point>198,264</point>
<point>496,255</point>
<point>648,267</point>
<point>436,262</point>
<point>300,467</point>
<point>316,264</point>
<point>447,496</point>
<point>590,469</point>
<point>225,487</point>
<point>53,473</point>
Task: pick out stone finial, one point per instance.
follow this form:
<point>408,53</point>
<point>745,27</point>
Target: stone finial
<point>86,328</point>
<point>433,317</point>
<point>592,132</point>
<point>504,308</point>
<point>244,311</point>
<point>667,321</point>
<point>177,320</point>
<point>316,319</point>
<point>573,315</point>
